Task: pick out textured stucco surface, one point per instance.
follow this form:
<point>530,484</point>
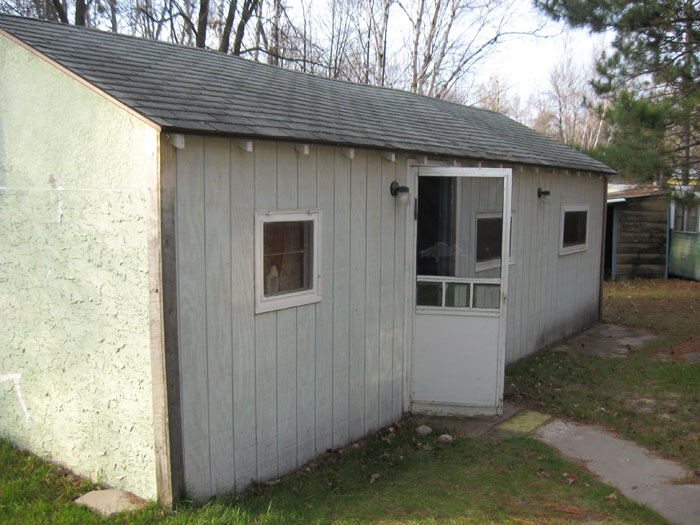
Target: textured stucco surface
<point>75,371</point>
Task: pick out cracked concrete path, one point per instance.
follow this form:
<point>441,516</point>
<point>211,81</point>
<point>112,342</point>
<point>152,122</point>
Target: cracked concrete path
<point>637,473</point>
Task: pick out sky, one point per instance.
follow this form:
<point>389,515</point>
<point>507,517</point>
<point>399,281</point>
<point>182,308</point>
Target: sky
<point>524,62</point>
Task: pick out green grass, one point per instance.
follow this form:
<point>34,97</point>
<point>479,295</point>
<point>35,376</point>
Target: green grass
<point>652,396</point>
<point>398,477</point>
<point>393,477</point>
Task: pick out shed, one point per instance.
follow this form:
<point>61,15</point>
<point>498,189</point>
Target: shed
<point>214,270</point>
<point>637,232</point>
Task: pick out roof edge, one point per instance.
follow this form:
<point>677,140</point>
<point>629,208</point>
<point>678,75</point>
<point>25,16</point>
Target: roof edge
<point>409,152</point>
<point>80,79</point>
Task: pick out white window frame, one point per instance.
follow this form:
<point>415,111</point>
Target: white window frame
<point>493,263</point>
<point>578,247</point>
<point>292,299</point>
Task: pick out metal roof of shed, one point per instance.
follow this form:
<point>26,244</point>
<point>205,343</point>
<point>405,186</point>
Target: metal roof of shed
<point>185,89</point>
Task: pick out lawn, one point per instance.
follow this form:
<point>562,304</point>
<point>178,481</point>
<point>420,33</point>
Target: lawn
<point>397,476</point>
<point>652,396</point>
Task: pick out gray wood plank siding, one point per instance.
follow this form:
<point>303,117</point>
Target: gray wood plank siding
<point>262,394</point>
<point>551,296</point>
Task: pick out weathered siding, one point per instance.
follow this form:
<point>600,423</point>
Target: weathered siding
<point>641,237</point>
<point>75,368</point>
<point>684,255</point>
<point>551,296</point>
<point>262,394</point>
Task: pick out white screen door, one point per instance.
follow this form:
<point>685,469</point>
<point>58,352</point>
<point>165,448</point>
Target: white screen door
<point>462,246</point>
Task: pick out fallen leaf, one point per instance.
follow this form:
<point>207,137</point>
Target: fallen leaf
<point>612,497</point>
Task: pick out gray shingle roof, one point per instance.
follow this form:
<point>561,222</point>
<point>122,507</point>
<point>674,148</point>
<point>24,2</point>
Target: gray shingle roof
<point>193,90</point>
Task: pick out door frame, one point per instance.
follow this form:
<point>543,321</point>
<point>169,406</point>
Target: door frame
<point>435,169</point>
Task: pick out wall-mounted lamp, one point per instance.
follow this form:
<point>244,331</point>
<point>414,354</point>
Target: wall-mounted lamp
<point>543,193</point>
<point>401,191</point>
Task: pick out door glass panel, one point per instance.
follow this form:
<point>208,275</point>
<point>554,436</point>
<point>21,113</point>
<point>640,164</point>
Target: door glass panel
<point>487,296</point>
<point>428,293</point>
<point>457,295</point>
<point>449,243</point>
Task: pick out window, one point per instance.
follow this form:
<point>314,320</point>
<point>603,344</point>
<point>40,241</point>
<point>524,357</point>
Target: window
<point>286,263</point>
<point>574,229</point>
<point>686,219</point>
<point>489,231</point>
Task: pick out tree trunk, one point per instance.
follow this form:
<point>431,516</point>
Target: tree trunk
<point>249,7</point>
<point>60,11</point>
<point>202,21</point>
<point>80,13</point>
<point>228,24</point>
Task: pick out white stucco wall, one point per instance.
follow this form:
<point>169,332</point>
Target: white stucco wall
<point>75,371</point>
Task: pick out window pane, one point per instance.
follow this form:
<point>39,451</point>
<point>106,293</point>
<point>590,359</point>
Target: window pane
<point>428,293</point>
<point>487,296</point>
<point>457,295</point>
<point>692,225</point>
<point>678,223</point>
<point>488,238</point>
<point>287,262</point>
<point>574,228</point>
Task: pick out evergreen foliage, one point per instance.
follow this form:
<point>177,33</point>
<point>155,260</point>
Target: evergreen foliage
<point>652,80</point>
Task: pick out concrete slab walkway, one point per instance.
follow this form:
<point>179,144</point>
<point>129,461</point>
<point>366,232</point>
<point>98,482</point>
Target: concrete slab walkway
<point>636,472</point>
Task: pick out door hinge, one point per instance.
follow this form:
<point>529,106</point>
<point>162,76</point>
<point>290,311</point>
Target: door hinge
<point>415,209</point>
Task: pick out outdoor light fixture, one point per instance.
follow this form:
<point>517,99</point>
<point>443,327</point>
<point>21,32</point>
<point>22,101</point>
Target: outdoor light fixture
<point>542,193</point>
<point>401,191</point>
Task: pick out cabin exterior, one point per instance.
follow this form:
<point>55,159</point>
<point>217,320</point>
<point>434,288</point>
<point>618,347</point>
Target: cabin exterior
<point>206,286</point>
<point>637,233</point>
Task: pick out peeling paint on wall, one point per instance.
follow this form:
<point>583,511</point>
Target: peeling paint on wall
<point>16,378</point>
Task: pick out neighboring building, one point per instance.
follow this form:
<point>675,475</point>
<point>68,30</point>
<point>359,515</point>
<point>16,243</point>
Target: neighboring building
<point>213,270</point>
<point>684,252</point>
<point>637,231</point>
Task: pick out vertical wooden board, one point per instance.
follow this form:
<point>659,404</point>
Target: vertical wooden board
<point>538,274</point>
<point>514,269</point>
<point>306,325</point>
<point>217,235</point>
<point>372,289</point>
<point>386,290</point>
<point>547,267</point>
<point>306,375</point>
<point>266,329</point>
<point>324,309</point>
<point>192,317</point>
<point>243,313</point>
<point>286,328</point>
<point>523,309</point>
<point>286,176</point>
<point>564,191</point>
<point>286,390</point>
<point>341,299</point>
<point>399,310</point>
<point>358,228</point>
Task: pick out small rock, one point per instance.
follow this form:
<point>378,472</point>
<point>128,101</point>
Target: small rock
<point>446,438</point>
<point>424,430</point>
